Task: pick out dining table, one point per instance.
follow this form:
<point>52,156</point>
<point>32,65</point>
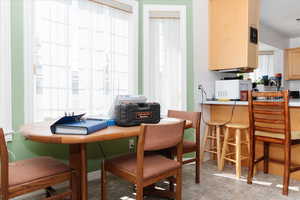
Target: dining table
<point>40,132</point>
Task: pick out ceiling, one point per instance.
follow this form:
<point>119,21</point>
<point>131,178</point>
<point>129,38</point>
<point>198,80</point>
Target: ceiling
<point>281,15</point>
<point>265,47</point>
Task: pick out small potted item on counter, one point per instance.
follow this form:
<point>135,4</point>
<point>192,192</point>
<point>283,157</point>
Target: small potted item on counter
<point>243,95</point>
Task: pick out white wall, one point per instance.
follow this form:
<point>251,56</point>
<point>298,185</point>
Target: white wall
<point>202,75</point>
<point>295,42</point>
<point>273,38</point>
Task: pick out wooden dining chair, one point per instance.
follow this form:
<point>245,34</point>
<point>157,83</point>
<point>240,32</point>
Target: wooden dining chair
<point>25,176</point>
<point>191,146</point>
<point>270,123</point>
<point>146,167</point>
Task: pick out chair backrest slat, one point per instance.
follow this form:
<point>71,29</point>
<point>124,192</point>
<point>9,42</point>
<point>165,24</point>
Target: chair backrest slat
<point>269,121</point>
<point>269,112</point>
<point>267,129</point>
<point>163,136</point>
<point>194,117</point>
<point>276,103</point>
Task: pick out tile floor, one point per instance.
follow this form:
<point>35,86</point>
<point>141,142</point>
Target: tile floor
<point>214,185</point>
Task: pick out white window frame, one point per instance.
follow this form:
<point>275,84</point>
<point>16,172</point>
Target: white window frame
<point>28,58</point>
<point>183,38</point>
<point>5,65</point>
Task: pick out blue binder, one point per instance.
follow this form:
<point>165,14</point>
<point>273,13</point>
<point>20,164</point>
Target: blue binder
<point>75,125</point>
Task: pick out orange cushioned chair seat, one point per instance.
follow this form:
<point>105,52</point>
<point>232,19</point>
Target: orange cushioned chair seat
<point>32,169</point>
<point>154,165</point>
<point>189,146</point>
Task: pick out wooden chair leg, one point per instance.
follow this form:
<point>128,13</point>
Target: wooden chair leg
<point>197,167</point>
<point>4,196</point>
<point>251,159</point>
<point>238,164</point>
<point>204,141</point>
<point>266,157</point>
<point>287,162</point>
<point>224,150</point>
<point>103,181</point>
<point>179,185</point>
<point>139,191</point>
<point>73,186</point>
<point>171,184</point>
<point>219,146</point>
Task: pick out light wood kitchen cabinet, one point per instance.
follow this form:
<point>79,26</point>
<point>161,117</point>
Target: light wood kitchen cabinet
<point>292,64</point>
<point>233,32</point>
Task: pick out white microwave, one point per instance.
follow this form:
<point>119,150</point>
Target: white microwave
<point>230,89</point>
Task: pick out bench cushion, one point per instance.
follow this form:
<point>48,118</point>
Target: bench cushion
<point>24,171</point>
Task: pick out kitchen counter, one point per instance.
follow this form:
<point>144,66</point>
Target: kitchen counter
<point>293,103</point>
<point>223,111</point>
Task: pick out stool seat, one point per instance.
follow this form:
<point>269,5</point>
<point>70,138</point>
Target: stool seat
<point>215,123</point>
<point>237,126</point>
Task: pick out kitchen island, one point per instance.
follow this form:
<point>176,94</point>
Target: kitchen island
<point>221,111</point>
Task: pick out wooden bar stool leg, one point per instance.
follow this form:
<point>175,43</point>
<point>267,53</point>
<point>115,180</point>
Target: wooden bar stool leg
<point>251,159</point>
<point>224,150</point>
<point>204,142</point>
<point>287,162</point>
<point>218,146</point>
<point>248,145</point>
<point>212,142</point>
<point>238,153</point>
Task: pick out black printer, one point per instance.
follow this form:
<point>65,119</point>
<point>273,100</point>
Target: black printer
<point>134,114</point>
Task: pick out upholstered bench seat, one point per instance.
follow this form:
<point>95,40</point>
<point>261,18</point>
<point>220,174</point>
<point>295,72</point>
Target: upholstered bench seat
<point>154,165</point>
<point>24,171</point>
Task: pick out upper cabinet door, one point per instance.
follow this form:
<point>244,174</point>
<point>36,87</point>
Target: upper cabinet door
<point>233,33</point>
<point>292,64</point>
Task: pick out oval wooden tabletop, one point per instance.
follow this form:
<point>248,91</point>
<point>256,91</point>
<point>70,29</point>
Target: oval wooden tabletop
<point>40,132</point>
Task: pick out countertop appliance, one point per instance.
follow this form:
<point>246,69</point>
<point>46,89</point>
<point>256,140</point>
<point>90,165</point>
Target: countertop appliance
<point>231,89</point>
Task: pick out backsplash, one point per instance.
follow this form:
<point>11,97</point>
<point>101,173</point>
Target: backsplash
<point>293,84</point>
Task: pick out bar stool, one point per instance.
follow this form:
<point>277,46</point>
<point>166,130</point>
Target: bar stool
<point>212,140</point>
<point>236,142</point>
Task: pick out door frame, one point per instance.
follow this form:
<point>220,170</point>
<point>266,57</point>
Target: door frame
<point>146,44</point>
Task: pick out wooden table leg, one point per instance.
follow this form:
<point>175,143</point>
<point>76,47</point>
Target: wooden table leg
<point>78,161</point>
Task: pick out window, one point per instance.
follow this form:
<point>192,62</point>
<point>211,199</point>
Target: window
<point>5,68</point>
<point>165,56</point>
<point>83,54</point>
<point>265,67</point>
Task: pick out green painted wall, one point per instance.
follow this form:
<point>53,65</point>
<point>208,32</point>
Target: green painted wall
<point>25,149</point>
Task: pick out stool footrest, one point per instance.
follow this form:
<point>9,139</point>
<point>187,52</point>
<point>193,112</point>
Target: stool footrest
<point>210,151</point>
<point>211,137</point>
<point>229,159</point>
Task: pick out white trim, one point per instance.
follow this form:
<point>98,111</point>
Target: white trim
<point>5,65</point>
<point>28,59</point>
<point>28,62</point>
<point>183,34</point>
<point>135,46</point>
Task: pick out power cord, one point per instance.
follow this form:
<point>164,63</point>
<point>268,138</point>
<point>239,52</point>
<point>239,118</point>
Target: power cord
<point>12,154</point>
<point>102,151</point>
<point>204,95</point>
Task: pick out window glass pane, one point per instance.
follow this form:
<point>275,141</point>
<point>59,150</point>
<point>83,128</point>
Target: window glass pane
<point>166,69</point>
<point>81,57</point>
